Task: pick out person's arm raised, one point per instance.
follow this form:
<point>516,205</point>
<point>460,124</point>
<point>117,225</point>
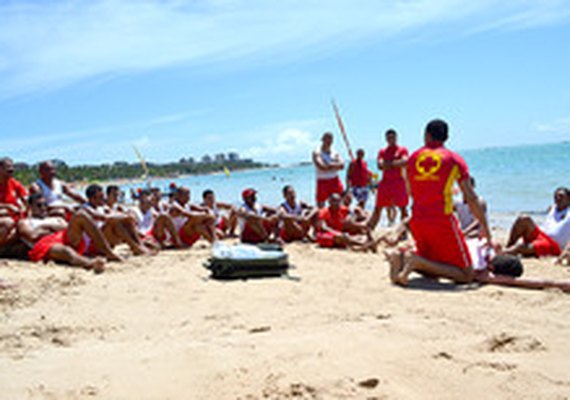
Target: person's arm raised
<point>72,194</point>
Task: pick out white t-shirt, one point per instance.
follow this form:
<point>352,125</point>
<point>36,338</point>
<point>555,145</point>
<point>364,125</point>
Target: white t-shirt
<point>481,253</point>
<point>328,158</point>
<point>557,226</point>
<point>53,196</point>
<point>145,221</point>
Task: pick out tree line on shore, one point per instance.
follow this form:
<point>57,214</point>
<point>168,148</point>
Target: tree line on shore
<point>26,173</point>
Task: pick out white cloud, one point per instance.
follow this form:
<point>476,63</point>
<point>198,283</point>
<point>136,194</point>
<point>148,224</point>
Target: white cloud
<point>558,126</point>
<point>47,45</point>
<point>290,144</point>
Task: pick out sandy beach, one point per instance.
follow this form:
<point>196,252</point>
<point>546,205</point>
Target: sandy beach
<point>159,328</point>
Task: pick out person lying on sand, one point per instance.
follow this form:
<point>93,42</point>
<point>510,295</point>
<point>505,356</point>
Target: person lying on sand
<point>296,218</point>
<point>488,267</point>
<point>117,227</point>
<point>551,239</point>
<point>55,191</point>
<point>73,242</point>
<point>225,223</point>
<point>191,221</point>
<point>259,223</point>
<point>441,250</point>
<point>334,227</point>
<point>153,226</point>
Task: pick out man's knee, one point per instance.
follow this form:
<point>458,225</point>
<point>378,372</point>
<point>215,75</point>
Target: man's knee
<point>524,219</point>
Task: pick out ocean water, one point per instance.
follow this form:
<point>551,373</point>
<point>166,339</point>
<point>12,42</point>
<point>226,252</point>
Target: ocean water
<point>511,179</point>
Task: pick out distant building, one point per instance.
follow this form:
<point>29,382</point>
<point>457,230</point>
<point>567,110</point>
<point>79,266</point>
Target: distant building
<point>206,159</point>
<point>58,163</point>
<point>21,166</point>
<point>233,156</point>
<point>190,160</point>
<point>220,158</point>
<point>120,164</point>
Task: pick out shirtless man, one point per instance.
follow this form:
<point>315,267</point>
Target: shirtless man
<point>357,219</point>
<point>441,250</point>
<point>295,217</point>
<point>333,227</point>
<point>54,191</point>
<point>225,223</point>
<point>117,227</point>
<point>327,163</point>
<point>392,189</point>
<point>552,239</point>
<point>191,221</point>
<point>53,238</point>
<point>258,223</point>
<point>113,193</point>
<point>152,225</point>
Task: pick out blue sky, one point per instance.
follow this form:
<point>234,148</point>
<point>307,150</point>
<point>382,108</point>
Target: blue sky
<point>84,81</point>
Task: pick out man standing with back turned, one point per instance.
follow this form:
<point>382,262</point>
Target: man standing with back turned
<point>441,250</point>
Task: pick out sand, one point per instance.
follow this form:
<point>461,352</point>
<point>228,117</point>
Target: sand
<point>158,328</point>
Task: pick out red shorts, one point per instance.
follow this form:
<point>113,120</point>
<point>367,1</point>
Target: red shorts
<point>326,187</point>
<point>221,225</point>
<point>441,240</point>
<point>41,249</point>
<point>327,240</point>
<point>543,244</point>
<point>188,240</point>
<point>392,193</point>
<point>249,235</point>
<point>286,237</point>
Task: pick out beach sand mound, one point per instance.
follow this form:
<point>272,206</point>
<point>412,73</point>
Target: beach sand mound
<point>159,328</point>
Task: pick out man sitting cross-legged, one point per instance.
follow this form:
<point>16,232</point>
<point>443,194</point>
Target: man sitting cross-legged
<point>154,226</point>
<point>258,222</point>
<point>296,217</point>
<point>191,221</point>
<point>117,227</point>
<point>52,238</point>
<point>333,224</point>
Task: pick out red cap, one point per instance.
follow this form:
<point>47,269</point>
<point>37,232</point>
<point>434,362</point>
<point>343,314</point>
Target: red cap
<point>248,193</point>
<point>139,190</point>
<point>172,185</point>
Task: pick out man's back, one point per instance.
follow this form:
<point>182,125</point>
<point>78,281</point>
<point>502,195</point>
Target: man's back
<point>432,171</point>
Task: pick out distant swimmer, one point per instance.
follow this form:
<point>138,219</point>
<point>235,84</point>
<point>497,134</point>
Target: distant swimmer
<point>55,190</point>
<point>296,218</point>
<point>191,221</point>
<point>551,239</point>
<point>225,213</point>
<point>441,250</point>
<point>258,222</point>
<point>392,191</point>
<point>53,238</point>
<point>327,163</point>
<point>359,178</point>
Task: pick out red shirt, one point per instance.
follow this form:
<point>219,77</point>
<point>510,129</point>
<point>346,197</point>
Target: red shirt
<point>432,171</point>
<point>334,219</point>
<point>11,192</point>
<point>392,153</point>
<point>359,173</point>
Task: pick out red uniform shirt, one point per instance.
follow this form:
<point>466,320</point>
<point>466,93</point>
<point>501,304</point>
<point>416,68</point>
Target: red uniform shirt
<point>334,219</point>
<point>11,192</point>
<point>392,153</point>
<point>359,173</point>
<point>432,171</point>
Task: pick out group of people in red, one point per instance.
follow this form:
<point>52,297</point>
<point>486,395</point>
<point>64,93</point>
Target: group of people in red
<point>39,224</point>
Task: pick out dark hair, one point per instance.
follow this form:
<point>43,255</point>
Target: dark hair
<point>112,188</point>
<point>391,132</point>
<point>438,129</point>
<point>5,160</point>
<point>286,189</point>
<point>207,192</point>
<point>34,197</point>
<point>506,264</point>
<point>92,190</point>
<point>563,189</point>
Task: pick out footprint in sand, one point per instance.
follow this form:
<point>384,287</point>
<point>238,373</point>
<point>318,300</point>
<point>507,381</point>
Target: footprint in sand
<point>506,343</point>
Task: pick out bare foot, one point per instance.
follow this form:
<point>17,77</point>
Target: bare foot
<point>97,265</point>
<point>408,267</point>
<point>396,260</point>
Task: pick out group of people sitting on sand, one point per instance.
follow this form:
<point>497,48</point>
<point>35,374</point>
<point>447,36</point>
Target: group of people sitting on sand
<point>42,224</point>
